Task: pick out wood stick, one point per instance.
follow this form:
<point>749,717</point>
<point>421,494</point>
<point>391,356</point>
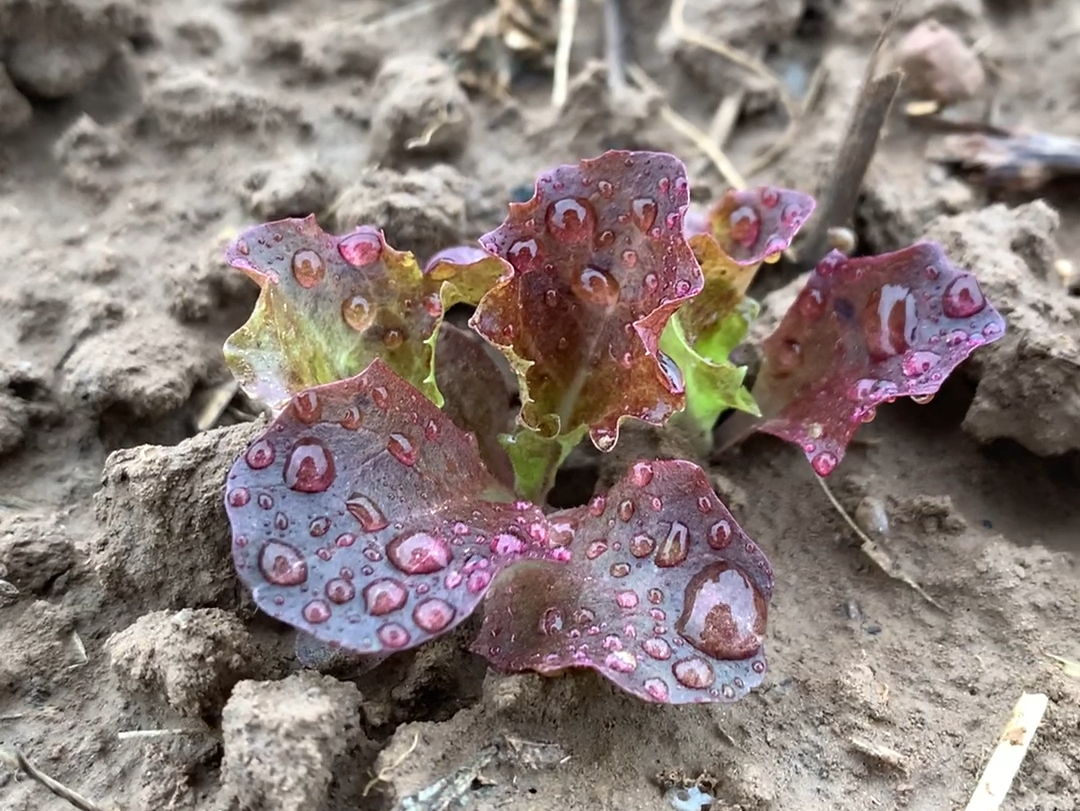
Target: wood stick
<point>18,760</point>
<point>1005,760</point>
<point>560,86</point>
<point>615,47</point>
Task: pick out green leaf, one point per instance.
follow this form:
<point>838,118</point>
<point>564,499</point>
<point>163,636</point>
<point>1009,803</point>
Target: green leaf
<point>537,458</point>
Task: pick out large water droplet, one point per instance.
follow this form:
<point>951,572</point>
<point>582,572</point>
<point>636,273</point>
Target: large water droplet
<point>383,596</point>
<point>319,526</point>
<point>641,546</point>
<point>306,407</point>
<point>597,505</point>
<point>316,612</point>
<point>352,419</point>
<point>260,455</point>
<point>282,565</point>
<point>402,449</point>
<point>596,286</point>
<point>720,534</point>
<point>308,268</point>
<point>889,321</point>
<point>695,673</point>
<point>340,590</point>
<point>656,648</point>
<point>769,197</point>
<point>674,548</point>
<point>626,599</point>
<point>619,569</point>
<point>605,188</point>
<point>367,512</point>
<point>525,255</point>
<point>393,635</point>
<point>419,553</point>
<point>745,225</point>
<point>963,298</point>
<point>357,312</point>
<point>625,510</point>
<point>360,248</point>
<point>570,220</point>
<point>309,467</point>
<point>433,615</point>
<point>724,614</point>
<point>916,364</point>
<point>595,549</point>
<point>641,474</point>
<point>239,496</point>
<point>670,373</point>
<point>506,544</point>
<point>551,622</point>
<point>621,661</point>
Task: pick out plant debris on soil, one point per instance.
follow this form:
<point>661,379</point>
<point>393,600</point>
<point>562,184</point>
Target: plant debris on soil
<point>138,140</point>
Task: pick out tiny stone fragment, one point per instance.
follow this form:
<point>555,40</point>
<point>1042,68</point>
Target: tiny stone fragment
<point>938,65</point>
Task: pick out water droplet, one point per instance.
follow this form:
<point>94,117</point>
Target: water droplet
<point>597,287</point>
<point>956,337</point>
<point>352,419</point>
<point>619,569</point>
<point>630,258</point>
<point>316,612</point>
<point>724,614</point>
<point>419,553</point>
<point>324,553</point>
<point>889,321</point>
<point>260,455</point>
<point>393,338</point>
<point>788,356</point>
<point>657,689</point>
<point>657,614</point>
<point>367,512</point>
<point>525,255</point>
<point>745,225</point>
<point>282,565</point>
<point>792,216</point>
<point>916,364</point>
<point>811,303</point>
<point>655,596</point>
<point>606,189</point>
<point>402,449</point>
<point>433,305</point>
<point>704,505</point>
<point>626,599</point>
<point>604,240</point>
<point>824,463</point>
<point>626,510</point>
<point>595,550</point>
<point>433,615</point>
<point>963,298</point>
<point>656,648</point>
<point>239,497</point>
<point>611,643</point>
<point>383,596</point>
<point>621,661</point>
<point>380,397</point>
<point>242,247</point>
<point>571,220</point>
<point>308,268</point>
<point>309,467</point>
<point>644,212</point>
<point>720,534</point>
<point>281,521</point>
<point>551,622</point>
<point>758,666</point>
<point>674,548</point>
<point>478,581</point>
<point>990,330</point>
<point>597,505</point>
<point>922,399</point>
<point>656,504</point>
<point>360,248</point>
<point>641,474</point>
<point>306,407</point>
<point>769,197</point>
<point>345,539</point>
<point>319,527</point>
<point>393,635</point>
<point>265,501</point>
<point>695,673</point>
<point>373,554</point>
<point>340,590</point>
<point>551,298</point>
<point>506,544</point>
<point>728,691</point>
<point>641,546</point>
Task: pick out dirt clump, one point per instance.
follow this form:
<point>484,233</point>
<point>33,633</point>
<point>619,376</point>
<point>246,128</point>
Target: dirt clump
<point>35,551</point>
<point>938,65</point>
<point>1029,386</point>
<point>15,110</point>
<point>293,745</point>
<point>293,188</point>
<point>164,539</point>
<point>37,640</point>
<point>191,658</point>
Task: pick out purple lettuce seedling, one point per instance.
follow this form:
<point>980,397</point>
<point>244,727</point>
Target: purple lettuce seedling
<point>330,305</point>
<point>364,517</point>
<point>743,230</point>
<point>866,331</point>
<point>665,595</point>
<point>599,266</point>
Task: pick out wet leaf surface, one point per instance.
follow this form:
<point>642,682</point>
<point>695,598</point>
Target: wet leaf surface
<point>664,595</point>
<point>600,265</point>
<point>863,332</point>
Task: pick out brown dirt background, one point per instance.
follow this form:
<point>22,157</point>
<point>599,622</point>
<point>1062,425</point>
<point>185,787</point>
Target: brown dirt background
<point>160,128</point>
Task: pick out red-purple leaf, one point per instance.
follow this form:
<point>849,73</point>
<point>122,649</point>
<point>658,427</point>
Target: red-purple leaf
<point>332,304</point>
<point>664,595</point>
<point>866,331</point>
<point>364,517</point>
<point>600,265</point>
<point>753,225</point>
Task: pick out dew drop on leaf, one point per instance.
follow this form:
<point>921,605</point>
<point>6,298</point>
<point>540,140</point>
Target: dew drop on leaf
<point>402,449</point>
<point>596,287</point>
<point>745,226</point>
<point>339,590</point>
<point>657,648</point>
<point>889,321</point>
<point>657,689</point>
<point>361,248</point>
<point>641,546</point>
<point>367,512</point>
<point>695,673</point>
<point>260,455</point>
<point>570,220</point>
<point>674,548</point>
<point>433,615</point>
<point>963,298</point>
<point>308,268</point>
<point>357,312</point>
<point>419,553</point>
<point>239,496</point>
<point>724,614</point>
<point>309,466</point>
<point>393,635</point>
<point>282,565</point>
<point>316,612</point>
<point>621,661</point>
<point>383,596</point>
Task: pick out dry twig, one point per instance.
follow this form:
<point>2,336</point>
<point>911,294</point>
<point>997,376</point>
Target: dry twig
<point>386,771</point>
<point>615,47</point>
<point>560,86</point>
<point>1005,760</point>
<point>15,759</point>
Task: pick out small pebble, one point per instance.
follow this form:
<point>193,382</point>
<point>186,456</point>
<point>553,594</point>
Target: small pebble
<point>688,799</point>
<point>872,517</point>
<point>938,64</point>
